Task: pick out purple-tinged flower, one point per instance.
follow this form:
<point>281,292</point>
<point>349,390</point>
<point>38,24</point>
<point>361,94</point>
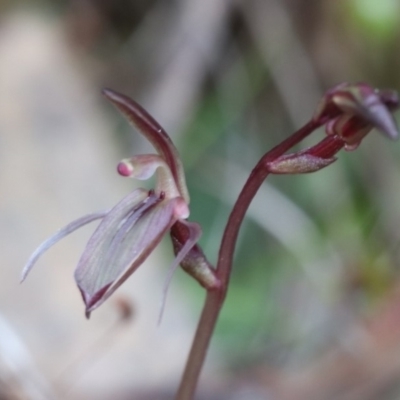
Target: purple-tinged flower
<point>353,110</point>
<point>349,112</point>
<point>129,231</point>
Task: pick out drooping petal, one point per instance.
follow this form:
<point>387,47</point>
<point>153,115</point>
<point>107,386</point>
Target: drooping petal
<point>153,132</point>
<point>368,105</point>
<point>364,101</point>
<point>66,230</point>
<point>113,255</point>
<point>194,230</point>
<point>195,262</point>
<point>383,121</point>
<point>194,234</point>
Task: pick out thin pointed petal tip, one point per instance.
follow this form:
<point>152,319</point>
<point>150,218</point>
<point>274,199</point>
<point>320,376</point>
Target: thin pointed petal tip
<point>109,93</point>
<point>62,233</point>
<point>95,300</point>
<point>354,109</point>
<point>389,128</point>
<point>390,98</point>
<point>117,98</point>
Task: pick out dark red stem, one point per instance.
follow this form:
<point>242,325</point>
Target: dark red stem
<point>215,298</point>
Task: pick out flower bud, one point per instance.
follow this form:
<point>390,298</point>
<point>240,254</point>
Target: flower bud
<point>352,110</point>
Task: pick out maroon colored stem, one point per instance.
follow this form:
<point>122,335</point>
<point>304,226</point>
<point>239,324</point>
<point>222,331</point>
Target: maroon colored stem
<point>250,189</point>
<point>215,298</point>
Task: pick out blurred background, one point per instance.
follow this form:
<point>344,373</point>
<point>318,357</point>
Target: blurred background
<point>313,310</point>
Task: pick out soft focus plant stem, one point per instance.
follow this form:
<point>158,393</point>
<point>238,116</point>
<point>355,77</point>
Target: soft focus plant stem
<point>215,298</point>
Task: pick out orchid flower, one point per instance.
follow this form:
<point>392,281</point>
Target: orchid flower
<point>349,112</point>
<point>130,231</point>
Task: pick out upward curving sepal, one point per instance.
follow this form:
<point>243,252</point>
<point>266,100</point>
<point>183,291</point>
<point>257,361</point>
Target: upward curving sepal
<point>153,131</point>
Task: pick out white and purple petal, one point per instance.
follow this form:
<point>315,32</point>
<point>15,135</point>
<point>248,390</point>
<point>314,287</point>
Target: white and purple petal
<point>120,244</point>
<point>60,234</point>
<point>194,230</point>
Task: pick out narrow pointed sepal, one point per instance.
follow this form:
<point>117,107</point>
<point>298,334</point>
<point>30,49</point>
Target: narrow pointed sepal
<point>367,104</point>
<point>62,233</point>
<point>154,133</point>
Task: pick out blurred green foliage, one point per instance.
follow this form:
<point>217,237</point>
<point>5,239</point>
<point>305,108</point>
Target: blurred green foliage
<point>377,19</point>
